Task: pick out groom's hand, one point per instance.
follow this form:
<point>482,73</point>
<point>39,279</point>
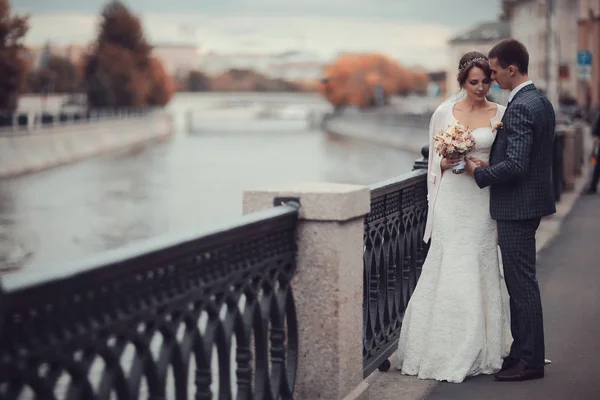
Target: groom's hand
<point>478,162</point>
<point>470,166</point>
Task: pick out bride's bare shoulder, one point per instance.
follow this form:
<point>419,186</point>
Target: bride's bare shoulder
<point>497,110</point>
<point>497,106</point>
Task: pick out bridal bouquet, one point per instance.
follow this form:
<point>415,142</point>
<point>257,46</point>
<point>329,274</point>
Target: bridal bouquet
<point>453,142</point>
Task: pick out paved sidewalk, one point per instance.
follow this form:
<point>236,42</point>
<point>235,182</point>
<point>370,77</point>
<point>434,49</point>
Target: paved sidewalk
<point>569,275</point>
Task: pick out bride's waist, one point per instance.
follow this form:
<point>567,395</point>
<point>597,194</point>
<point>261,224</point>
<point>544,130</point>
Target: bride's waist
<point>482,155</point>
<point>460,182</point>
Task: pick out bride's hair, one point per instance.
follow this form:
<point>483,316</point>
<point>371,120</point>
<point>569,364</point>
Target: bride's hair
<point>469,61</point>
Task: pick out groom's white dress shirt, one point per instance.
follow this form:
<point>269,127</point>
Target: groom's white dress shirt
<point>514,92</point>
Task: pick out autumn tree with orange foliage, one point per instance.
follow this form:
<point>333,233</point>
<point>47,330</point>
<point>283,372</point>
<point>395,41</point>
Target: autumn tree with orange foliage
<point>13,68</point>
<point>120,71</point>
<point>352,78</point>
<point>162,85</point>
<point>420,81</point>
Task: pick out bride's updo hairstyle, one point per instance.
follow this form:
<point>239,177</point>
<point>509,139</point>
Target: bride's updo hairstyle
<point>469,61</point>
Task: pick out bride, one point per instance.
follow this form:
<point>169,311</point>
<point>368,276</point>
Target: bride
<point>456,324</point>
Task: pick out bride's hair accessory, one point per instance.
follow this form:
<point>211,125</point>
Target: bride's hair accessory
<point>474,60</point>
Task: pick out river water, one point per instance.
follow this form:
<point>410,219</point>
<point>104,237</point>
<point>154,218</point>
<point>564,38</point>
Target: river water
<point>190,182</point>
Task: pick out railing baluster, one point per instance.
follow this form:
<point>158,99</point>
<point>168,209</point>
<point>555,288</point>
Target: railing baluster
<point>394,254</point>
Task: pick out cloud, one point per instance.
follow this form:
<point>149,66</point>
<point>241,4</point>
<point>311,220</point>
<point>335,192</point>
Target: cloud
<point>61,28</point>
<point>453,13</point>
<point>410,42</point>
<point>414,31</point>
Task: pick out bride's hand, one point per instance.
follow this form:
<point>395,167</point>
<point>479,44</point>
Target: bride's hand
<point>450,162</point>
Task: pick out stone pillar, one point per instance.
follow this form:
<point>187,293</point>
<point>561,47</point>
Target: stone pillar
<point>328,286</point>
<point>569,159</point>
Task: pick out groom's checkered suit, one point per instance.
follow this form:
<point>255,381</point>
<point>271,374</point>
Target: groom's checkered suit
<point>521,192</point>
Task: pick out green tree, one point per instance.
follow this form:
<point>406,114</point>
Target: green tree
<point>113,79</point>
<point>119,71</point>
<point>121,28</point>
<point>13,68</point>
<point>58,74</point>
<point>197,82</point>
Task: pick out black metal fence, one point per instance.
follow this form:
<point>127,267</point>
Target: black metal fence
<point>27,121</point>
<point>200,317</point>
<point>394,253</point>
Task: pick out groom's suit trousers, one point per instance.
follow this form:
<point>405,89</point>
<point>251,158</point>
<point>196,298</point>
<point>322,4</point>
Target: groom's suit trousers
<point>517,245</point>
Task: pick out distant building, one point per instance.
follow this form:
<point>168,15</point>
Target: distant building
<point>289,65</point>
<point>213,63</point>
<point>296,66</point>
<point>551,54</point>
<point>178,59</point>
<point>565,37</point>
<point>481,38</point>
<point>589,39</point>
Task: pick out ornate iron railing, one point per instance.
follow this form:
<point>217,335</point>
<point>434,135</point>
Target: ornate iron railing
<point>394,252</point>
<point>199,317</point>
<point>24,122</point>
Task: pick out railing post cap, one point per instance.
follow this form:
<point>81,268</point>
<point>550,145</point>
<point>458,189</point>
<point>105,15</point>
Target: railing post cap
<point>319,201</point>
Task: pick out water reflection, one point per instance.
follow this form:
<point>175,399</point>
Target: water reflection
<point>124,198</point>
<point>363,163</point>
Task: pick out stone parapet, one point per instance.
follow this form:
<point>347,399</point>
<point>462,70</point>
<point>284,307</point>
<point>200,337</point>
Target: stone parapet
<point>28,152</point>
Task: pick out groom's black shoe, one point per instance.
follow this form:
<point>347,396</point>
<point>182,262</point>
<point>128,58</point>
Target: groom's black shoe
<point>590,191</point>
<point>520,372</point>
<point>508,362</point>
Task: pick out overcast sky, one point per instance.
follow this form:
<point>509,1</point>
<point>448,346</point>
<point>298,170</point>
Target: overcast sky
<point>413,31</point>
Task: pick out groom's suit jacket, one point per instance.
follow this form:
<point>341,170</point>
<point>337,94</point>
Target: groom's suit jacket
<point>520,171</point>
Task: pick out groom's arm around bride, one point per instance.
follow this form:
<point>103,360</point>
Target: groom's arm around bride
<point>520,167</point>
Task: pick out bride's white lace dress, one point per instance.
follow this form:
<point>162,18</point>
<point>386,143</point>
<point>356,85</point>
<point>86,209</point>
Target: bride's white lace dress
<point>456,323</point>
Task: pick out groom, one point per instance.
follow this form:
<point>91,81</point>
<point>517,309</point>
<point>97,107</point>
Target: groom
<point>521,193</point>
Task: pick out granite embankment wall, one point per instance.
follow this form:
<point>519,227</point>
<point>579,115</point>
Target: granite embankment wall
<point>23,152</point>
<point>407,132</point>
